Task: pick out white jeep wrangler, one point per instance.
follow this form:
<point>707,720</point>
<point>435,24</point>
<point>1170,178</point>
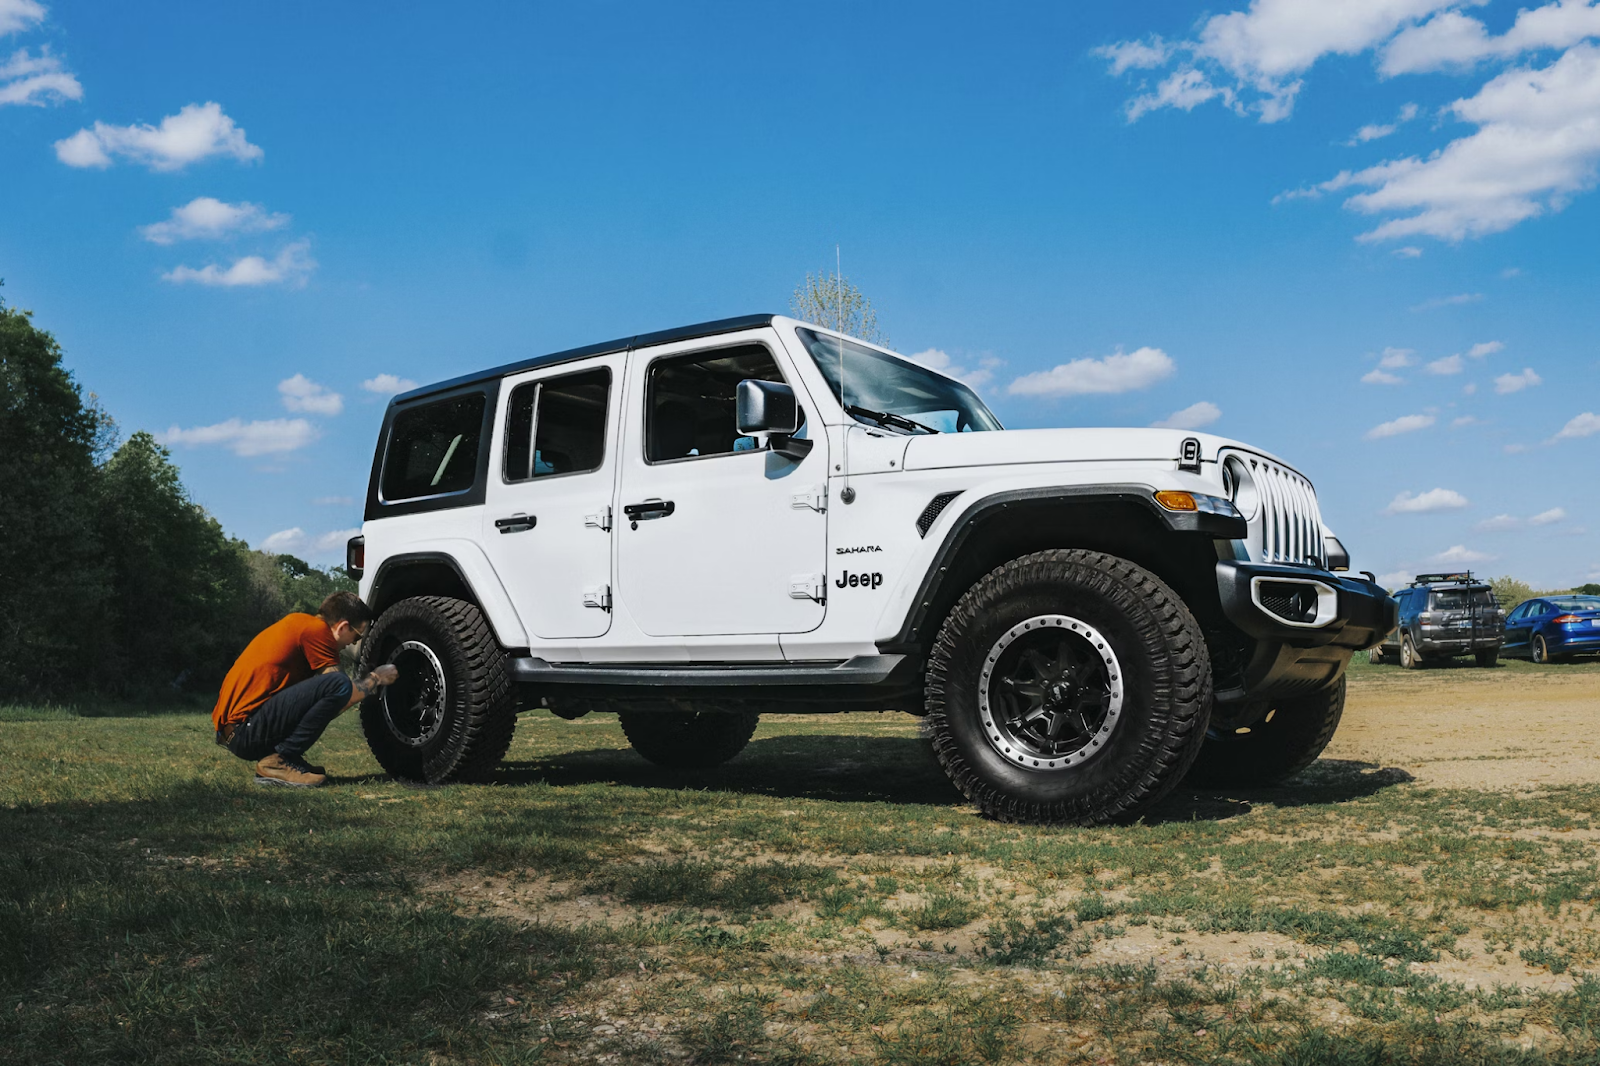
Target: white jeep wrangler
<point>755,516</point>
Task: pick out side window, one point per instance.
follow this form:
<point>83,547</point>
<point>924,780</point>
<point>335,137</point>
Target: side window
<point>557,426</point>
<point>689,402</point>
<point>433,449</point>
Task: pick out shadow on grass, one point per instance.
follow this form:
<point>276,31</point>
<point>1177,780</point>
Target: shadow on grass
<point>856,769</point>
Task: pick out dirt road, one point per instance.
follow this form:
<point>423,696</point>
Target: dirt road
<point>1506,728</point>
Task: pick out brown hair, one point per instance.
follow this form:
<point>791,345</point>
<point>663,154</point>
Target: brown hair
<point>345,607</point>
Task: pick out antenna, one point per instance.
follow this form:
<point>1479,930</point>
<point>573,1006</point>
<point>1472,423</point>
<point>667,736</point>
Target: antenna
<point>846,493</point>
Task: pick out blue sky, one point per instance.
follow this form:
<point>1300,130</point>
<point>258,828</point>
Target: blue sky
<point>1366,243</point>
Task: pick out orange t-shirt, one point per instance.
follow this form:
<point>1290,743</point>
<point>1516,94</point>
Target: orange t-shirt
<point>285,653</point>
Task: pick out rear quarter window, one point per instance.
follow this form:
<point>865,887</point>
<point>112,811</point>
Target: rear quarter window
<point>433,449</point>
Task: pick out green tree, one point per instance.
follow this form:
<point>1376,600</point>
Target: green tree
<point>831,300</point>
<point>1589,589</point>
<point>53,580</point>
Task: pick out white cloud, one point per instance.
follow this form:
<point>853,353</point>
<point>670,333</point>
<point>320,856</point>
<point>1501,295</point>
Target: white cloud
<point>196,132</point>
<point>289,267</point>
<point>1470,388</point>
<point>207,218</point>
<point>1375,131</point>
<point>1509,383</point>
<point>1195,416</point>
<point>1407,252</point>
<point>1500,523</point>
<point>1535,148</point>
<point>19,15</point>
<point>1584,425</point>
<point>300,393</point>
<point>1460,553</point>
<point>247,438</point>
<point>938,359</point>
<point>1464,420</point>
<point>1457,300</point>
<point>1115,373</point>
<point>1478,351</point>
<point>1395,358</point>
<point>1395,578</point>
<point>1252,60</point>
<point>36,80</point>
<point>296,541</point>
<point>1379,376</point>
<point>1450,364</point>
<point>1403,424</point>
<point>388,384</point>
<point>1430,502</point>
<point>1453,40</point>
<point>1548,518</point>
<point>334,501</point>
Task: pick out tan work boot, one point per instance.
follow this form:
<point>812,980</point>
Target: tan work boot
<point>276,770</point>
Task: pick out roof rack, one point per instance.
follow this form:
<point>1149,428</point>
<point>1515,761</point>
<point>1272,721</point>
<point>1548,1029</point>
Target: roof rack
<point>1461,578</point>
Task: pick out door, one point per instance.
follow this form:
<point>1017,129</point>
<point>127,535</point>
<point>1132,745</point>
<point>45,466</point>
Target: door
<point>717,534</point>
<point>547,526</point>
<point>1517,624</point>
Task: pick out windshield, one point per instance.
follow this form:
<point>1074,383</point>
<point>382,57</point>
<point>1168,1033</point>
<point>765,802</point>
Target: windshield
<point>1577,603</point>
<point>1456,599</point>
<point>884,390</point>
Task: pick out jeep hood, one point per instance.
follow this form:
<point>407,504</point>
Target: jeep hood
<point>1010,446</point>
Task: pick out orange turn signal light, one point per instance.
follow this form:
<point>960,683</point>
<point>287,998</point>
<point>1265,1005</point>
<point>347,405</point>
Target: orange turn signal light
<point>1177,501</point>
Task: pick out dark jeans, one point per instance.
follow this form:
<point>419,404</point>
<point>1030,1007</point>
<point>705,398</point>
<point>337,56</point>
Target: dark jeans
<point>291,721</point>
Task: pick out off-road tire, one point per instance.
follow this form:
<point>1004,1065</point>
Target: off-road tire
<point>1487,658</point>
<point>688,740</point>
<point>1409,657</point>
<point>1166,674</point>
<point>1287,741</point>
<point>479,702</point>
<point>1375,655</point>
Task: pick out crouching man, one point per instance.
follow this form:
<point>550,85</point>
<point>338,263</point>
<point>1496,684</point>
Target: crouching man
<point>286,688</point>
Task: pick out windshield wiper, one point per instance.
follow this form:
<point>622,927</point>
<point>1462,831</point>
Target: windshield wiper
<point>888,418</point>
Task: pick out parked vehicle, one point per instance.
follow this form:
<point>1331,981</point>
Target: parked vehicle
<point>1553,628</point>
<point>1443,616</point>
<point>693,528</point>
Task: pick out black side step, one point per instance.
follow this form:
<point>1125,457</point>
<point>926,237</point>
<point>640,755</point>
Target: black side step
<point>861,670</point>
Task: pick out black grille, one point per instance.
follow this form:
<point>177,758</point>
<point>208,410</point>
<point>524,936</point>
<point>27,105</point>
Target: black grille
<point>930,513</point>
<point>1291,601</point>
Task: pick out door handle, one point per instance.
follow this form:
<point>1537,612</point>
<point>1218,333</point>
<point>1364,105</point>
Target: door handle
<point>517,523</point>
<point>640,512</point>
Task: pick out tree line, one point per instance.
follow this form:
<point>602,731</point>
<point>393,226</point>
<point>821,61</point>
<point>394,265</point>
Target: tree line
<point>113,581</point>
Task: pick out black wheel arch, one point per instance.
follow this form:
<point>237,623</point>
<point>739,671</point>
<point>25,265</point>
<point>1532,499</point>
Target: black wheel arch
<point>1119,520</point>
<point>409,574</point>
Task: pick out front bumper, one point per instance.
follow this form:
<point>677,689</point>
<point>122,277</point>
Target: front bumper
<point>1288,657</point>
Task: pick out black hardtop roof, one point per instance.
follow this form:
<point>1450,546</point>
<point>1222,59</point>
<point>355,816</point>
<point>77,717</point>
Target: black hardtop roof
<point>621,344</point>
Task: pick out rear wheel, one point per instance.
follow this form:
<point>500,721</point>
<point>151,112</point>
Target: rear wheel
<point>1409,659</point>
<point>688,740</point>
<point>451,714</point>
<point>1487,658</point>
<point>1287,740</point>
<point>1068,686</point>
<point>1375,654</point>
<point>1540,650</point>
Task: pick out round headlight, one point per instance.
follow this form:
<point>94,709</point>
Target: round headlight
<point>1241,486</point>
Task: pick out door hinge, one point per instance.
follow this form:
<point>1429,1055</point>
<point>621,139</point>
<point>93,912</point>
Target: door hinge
<point>810,498</point>
<point>597,596</point>
<point>601,519</point>
<point>808,587</point>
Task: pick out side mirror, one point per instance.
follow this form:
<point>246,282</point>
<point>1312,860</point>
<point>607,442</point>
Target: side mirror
<point>766,407</point>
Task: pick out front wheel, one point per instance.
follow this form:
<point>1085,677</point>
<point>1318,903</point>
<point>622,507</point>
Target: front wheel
<point>1285,741</point>
<point>1068,686</point>
<point>1409,659</point>
<point>688,740</point>
<point>451,714</point>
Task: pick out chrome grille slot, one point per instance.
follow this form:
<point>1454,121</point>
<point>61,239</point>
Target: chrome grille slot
<point>1287,527</point>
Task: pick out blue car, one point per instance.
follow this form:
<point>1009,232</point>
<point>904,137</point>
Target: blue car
<point>1552,628</point>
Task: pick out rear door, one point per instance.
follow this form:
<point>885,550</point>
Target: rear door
<point>547,524</point>
<point>716,533</point>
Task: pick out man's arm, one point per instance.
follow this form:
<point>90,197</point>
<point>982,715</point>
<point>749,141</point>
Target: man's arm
<point>386,674</point>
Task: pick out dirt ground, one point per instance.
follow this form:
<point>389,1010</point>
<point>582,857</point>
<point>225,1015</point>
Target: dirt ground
<point>1462,727</point>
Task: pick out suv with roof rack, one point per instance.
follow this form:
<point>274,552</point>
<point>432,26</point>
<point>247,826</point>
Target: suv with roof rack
<point>1443,616</point>
<point>693,528</point>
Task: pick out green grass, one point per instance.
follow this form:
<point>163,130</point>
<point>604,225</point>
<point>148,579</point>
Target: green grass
<point>825,897</point>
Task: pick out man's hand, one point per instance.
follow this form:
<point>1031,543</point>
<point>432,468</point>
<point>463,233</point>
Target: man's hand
<point>387,674</point>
